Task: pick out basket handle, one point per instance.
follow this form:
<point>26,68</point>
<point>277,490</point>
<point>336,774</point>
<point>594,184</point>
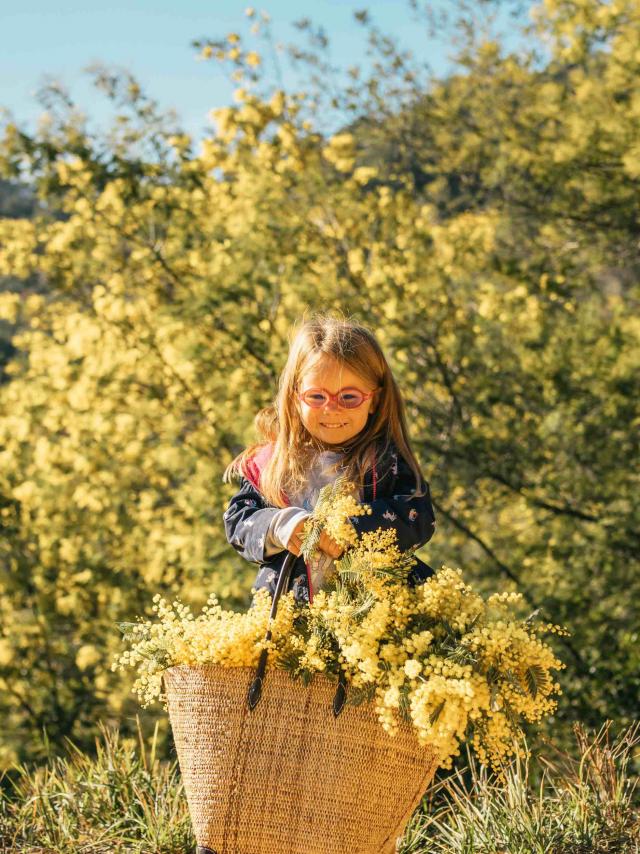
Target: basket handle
<point>341,693</point>
<point>255,689</point>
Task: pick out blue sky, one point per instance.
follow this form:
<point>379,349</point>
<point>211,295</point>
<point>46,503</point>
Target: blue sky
<point>58,38</point>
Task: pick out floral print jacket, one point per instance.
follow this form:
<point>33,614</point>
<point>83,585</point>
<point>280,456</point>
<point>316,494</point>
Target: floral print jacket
<point>248,516</point>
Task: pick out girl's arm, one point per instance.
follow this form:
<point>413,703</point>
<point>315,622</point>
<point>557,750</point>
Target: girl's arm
<point>413,518</point>
<point>255,529</point>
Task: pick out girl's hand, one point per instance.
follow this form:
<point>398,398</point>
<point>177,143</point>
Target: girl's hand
<point>325,544</point>
<point>295,541</point>
<point>329,546</point>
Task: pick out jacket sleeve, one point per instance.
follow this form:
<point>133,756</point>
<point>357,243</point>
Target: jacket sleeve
<point>246,522</point>
<point>413,518</point>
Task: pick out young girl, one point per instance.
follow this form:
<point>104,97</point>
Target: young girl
<point>338,409</point>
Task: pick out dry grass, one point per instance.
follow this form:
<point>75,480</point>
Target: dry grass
<point>583,804</point>
<point>124,799</point>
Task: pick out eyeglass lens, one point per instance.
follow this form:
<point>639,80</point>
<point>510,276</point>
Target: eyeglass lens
<point>348,398</point>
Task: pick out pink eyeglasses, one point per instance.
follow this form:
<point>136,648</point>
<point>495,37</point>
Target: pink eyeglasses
<point>346,398</point>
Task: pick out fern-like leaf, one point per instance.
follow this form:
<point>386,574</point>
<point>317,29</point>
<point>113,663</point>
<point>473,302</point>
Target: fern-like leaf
<point>435,714</point>
<point>357,696</point>
<point>535,679</point>
<point>404,705</point>
<point>290,661</point>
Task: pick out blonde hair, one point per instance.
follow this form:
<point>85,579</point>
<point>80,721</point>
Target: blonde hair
<point>351,344</point>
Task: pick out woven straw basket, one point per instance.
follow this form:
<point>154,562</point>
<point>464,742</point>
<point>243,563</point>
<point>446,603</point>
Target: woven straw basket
<point>289,777</point>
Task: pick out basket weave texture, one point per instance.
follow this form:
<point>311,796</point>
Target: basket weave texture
<point>289,777</point>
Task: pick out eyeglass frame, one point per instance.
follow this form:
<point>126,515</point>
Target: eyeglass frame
<point>334,397</point>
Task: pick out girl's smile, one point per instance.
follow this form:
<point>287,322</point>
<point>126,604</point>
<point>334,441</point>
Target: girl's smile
<point>332,423</point>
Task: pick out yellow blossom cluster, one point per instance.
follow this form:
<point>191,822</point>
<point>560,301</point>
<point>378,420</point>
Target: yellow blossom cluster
<point>336,503</point>
<point>456,666</point>
<point>132,376</point>
<point>337,524</point>
<point>436,655</point>
<point>216,636</point>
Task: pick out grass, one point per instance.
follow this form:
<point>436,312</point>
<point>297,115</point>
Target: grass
<point>124,799</point>
<point>582,804</point>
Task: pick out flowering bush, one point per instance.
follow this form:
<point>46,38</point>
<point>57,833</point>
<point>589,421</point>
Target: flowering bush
<point>438,655</point>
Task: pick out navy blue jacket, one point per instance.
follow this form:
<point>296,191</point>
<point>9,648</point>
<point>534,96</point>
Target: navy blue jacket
<point>248,516</point>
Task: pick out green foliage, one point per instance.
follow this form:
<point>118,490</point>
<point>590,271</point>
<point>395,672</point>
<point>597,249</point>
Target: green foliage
<point>534,677</point>
<point>485,225</point>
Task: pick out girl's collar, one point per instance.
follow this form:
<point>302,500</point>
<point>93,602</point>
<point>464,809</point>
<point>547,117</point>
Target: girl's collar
<point>319,446</point>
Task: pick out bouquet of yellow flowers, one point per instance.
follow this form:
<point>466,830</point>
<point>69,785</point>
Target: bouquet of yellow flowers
<point>457,666</point>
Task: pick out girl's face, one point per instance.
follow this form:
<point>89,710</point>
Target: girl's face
<point>331,423</point>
